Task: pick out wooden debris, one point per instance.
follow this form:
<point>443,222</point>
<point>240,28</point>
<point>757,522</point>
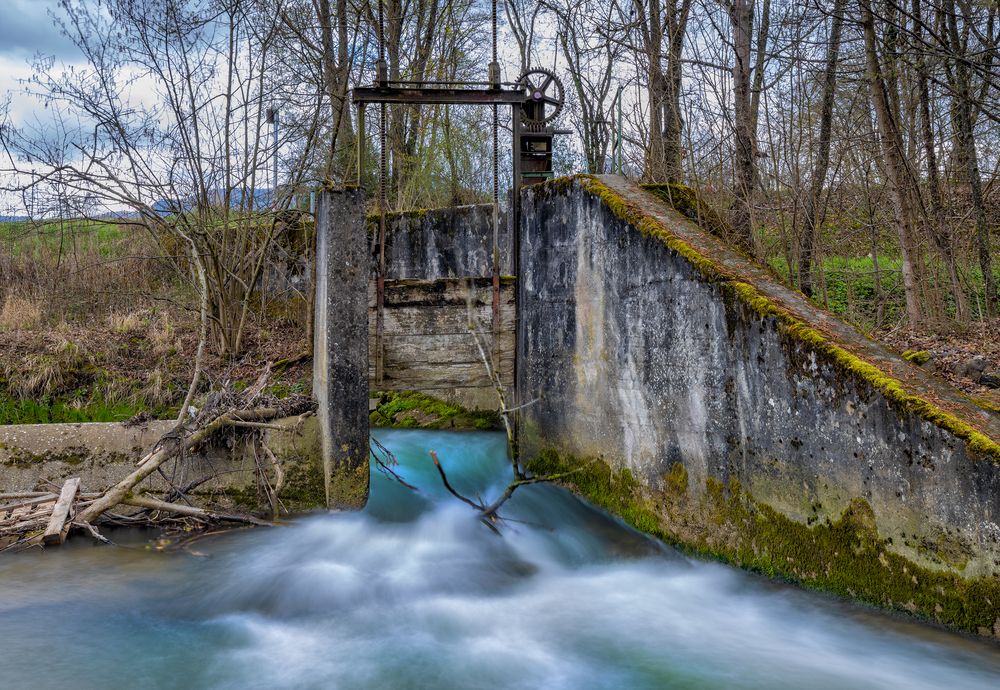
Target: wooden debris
<point>55,533</point>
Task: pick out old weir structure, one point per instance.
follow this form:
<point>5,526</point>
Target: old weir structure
<point>690,392</point>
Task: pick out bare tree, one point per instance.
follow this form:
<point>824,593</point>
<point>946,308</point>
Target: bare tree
<point>187,160</point>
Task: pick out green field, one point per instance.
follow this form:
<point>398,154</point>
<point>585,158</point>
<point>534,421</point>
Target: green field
<point>51,238</point>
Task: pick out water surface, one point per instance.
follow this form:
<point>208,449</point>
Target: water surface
<point>415,593</point>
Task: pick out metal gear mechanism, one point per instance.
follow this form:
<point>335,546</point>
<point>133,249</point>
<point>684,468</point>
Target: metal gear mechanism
<point>544,89</point>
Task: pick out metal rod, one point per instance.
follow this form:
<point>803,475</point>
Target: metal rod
<point>618,147</point>
<point>380,278</point>
<point>361,144</point>
<point>274,188</point>
<point>495,78</point>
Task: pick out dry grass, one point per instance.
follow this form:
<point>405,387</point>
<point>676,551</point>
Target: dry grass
<point>21,313</point>
<point>58,369</point>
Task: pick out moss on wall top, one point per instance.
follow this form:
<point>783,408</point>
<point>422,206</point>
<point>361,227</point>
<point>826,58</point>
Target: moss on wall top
<point>736,287</point>
<point>413,410</point>
<point>689,202</point>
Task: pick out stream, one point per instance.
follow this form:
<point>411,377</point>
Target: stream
<point>415,593</point>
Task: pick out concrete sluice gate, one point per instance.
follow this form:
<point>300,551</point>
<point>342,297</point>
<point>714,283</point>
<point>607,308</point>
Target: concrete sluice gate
<point>692,394</point>
<point>701,400</point>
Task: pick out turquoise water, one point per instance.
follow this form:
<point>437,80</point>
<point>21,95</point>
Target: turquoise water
<point>415,593</point>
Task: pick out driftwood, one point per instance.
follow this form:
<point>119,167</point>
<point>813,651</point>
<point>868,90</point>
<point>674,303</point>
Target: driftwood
<point>56,531</point>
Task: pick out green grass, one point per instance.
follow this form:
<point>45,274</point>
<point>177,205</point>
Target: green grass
<point>850,287</point>
<point>847,287</point>
<point>24,238</point>
<point>45,412</point>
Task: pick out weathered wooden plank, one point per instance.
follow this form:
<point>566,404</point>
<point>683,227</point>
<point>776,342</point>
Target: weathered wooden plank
<point>43,498</point>
<point>449,291</point>
<point>58,527</point>
<point>439,349</point>
<point>440,320</point>
<point>435,376</point>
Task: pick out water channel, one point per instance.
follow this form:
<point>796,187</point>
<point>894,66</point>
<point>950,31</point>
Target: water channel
<point>415,593</point>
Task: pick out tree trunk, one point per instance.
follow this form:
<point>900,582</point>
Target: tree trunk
<point>807,246</point>
<point>938,230</point>
<point>965,149</point>
<point>741,19</point>
<point>894,164</point>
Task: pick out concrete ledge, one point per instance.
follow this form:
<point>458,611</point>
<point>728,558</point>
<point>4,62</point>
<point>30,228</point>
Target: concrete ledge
<point>34,456</point>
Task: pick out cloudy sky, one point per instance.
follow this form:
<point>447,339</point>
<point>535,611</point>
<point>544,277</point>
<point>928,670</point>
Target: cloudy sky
<point>27,31</point>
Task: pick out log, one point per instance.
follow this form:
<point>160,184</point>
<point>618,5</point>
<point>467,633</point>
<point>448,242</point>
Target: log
<point>159,455</point>
<point>151,503</point>
<point>55,533</point>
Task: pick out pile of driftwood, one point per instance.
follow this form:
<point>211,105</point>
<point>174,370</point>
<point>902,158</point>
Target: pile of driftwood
<point>46,517</point>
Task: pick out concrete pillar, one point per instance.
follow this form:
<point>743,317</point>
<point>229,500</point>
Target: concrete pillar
<point>340,347</point>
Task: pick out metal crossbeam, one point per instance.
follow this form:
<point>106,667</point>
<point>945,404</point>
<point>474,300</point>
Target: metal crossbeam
<point>392,94</point>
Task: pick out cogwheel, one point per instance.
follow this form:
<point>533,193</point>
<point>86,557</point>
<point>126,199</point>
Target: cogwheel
<point>543,88</point>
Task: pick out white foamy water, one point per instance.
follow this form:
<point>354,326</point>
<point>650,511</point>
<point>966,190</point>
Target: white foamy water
<point>415,593</point>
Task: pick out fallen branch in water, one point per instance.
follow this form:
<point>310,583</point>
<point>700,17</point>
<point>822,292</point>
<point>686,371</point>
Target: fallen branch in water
<point>489,512</point>
<point>385,465</point>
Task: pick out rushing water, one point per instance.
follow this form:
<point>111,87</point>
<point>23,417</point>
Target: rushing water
<point>415,593</point>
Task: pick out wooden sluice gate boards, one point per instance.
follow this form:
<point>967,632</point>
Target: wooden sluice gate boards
<point>427,345</point>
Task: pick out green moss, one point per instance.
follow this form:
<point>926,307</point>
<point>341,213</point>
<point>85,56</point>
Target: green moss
<point>677,478</point>
<point>73,411</point>
<point>986,404</point>
<point>349,487</point>
<point>688,202</point>
<point>845,556</point>
<point>918,357</point>
<point>977,443</point>
<point>412,410</point>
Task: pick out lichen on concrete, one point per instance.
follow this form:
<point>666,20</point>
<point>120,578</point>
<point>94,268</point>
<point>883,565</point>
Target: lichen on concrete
<point>734,418</point>
<point>731,283</point>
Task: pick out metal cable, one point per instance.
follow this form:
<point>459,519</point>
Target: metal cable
<point>495,76</point>
<point>496,140</point>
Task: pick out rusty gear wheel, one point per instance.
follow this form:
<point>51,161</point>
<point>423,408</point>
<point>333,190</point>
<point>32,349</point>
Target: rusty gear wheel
<point>544,88</point>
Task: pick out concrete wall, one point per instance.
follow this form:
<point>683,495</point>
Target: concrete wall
<point>427,345</point>
<point>441,243</point>
<point>728,414</point>
<point>340,345</point>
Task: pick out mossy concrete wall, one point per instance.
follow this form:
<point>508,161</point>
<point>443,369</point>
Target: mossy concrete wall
<point>37,457</point>
<point>710,405</point>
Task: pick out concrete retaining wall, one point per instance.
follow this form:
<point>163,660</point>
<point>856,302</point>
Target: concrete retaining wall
<point>441,243</point>
<point>36,456</point>
<point>437,261</point>
<point>724,412</point>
